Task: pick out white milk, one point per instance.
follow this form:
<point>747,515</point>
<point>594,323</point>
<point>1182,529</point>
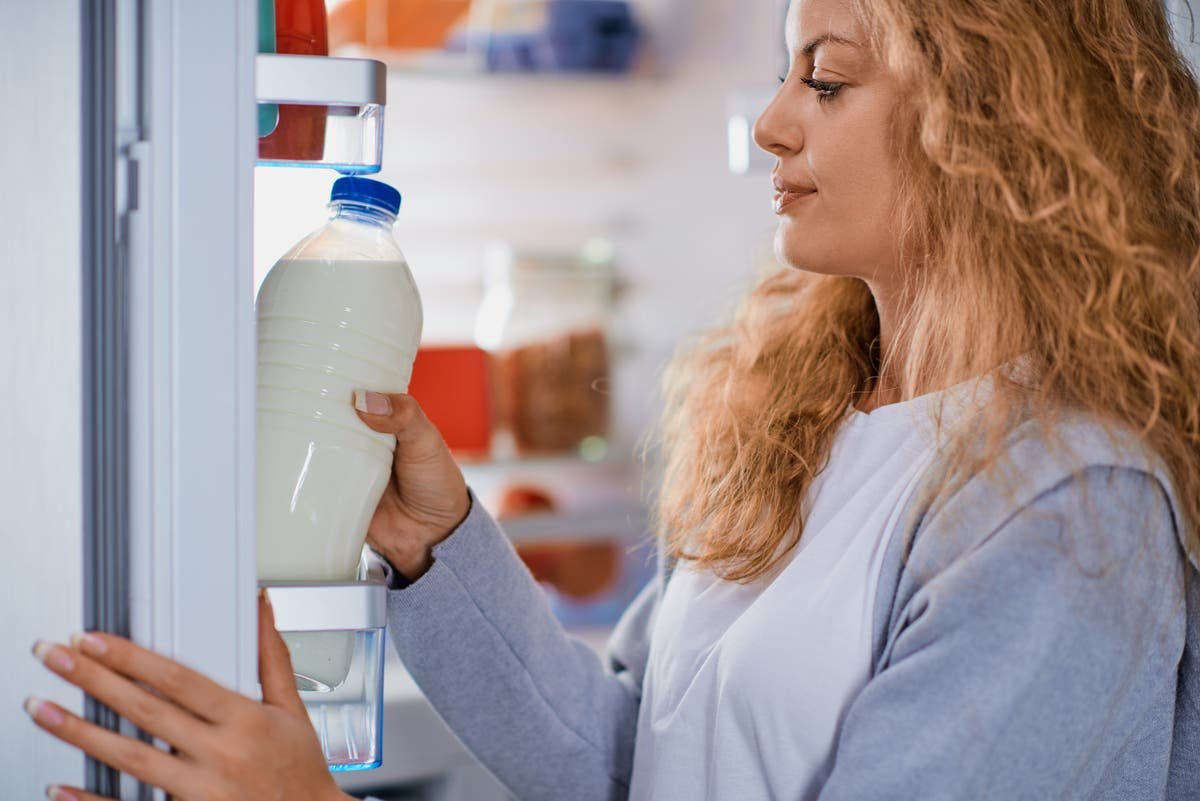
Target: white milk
<point>326,327</point>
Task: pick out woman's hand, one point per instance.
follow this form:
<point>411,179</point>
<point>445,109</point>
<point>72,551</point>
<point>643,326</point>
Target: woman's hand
<point>226,747</point>
<point>427,497</point>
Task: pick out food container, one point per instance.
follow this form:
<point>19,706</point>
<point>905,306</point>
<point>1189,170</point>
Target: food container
<point>553,36</point>
<point>382,25</point>
<point>452,383</point>
<point>545,321</point>
<point>299,135</point>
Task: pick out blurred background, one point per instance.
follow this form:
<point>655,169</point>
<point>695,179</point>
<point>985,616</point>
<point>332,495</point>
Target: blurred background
<point>579,195</point>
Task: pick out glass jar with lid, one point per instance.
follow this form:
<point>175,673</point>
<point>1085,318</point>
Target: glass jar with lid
<point>545,320</point>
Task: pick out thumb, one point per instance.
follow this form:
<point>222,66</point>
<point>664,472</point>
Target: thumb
<point>396,414</point>
<point>274,662</point>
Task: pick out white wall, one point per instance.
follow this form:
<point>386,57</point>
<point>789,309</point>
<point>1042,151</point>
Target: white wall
<point>40,490</point>
<point>553,161</point>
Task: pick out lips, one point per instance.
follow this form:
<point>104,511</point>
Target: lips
<point>783,187</point>
<point>789,192</point>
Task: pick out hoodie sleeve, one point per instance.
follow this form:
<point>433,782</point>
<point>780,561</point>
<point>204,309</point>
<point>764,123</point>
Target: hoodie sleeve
<point>542,711</point>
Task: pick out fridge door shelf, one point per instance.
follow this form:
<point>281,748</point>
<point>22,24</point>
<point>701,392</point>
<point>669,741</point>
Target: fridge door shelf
<point>327,606</point>
<point>352,91</point>
<point>338,628</point>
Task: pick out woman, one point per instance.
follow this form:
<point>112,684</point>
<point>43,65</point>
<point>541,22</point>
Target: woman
<point>928,507</point>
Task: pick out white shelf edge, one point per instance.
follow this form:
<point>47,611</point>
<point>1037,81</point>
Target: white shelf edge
<point>628,522</point>
<point>320,80</point>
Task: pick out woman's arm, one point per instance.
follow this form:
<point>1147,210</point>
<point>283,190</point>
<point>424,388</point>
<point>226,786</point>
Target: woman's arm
<point>549,718</point>
<point>542,711</point>
<point>1025,666</point>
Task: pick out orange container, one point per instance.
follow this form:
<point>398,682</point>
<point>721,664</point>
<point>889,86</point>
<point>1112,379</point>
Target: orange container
<point>395,24</point>
<point>301,29</point>
<point>580,570</point>
<point>453,386</point>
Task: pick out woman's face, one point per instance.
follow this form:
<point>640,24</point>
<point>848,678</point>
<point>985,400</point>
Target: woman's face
<point>829,127</point>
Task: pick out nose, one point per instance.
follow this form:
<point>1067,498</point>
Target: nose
<point>776,131</point>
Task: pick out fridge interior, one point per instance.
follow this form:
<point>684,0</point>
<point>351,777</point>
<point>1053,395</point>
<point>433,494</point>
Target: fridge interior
<point>610,169</point>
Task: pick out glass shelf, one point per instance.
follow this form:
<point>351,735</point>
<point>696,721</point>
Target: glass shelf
<point>628,523</point>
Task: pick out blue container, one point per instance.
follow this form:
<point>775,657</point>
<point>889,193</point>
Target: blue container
<point>580,36</point>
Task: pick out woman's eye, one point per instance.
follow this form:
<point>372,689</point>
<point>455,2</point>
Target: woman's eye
<point>825,91</point>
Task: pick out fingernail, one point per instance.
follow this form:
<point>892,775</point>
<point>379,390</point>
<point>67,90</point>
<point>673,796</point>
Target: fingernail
<point>265,597</point>
<point>52,657</point>
<point>89,643</point>
<point>56,793</point>
<point>372,402</point>
<point>42,712</point>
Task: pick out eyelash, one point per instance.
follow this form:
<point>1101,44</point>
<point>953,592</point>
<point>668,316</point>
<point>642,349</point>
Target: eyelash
<point>825,91</point>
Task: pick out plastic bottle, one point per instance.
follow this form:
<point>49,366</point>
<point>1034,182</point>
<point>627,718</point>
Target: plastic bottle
<point>338,312</point>
<point>301,29</point>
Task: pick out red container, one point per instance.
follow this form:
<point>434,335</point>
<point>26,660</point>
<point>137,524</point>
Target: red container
<point>301,29</point>
<point>453,386</point>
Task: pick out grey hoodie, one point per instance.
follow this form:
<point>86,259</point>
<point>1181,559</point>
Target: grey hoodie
<point>1040,641</point>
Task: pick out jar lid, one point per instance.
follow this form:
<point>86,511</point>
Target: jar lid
<point>506,265</point>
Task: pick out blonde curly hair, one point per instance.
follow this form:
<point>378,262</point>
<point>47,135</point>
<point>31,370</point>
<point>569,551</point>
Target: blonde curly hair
<point>1049,162</point>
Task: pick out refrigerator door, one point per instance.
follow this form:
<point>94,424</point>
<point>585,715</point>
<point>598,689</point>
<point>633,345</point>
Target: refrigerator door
<point>41,492</point>
<point>128,401</point>
<point>185,161</point>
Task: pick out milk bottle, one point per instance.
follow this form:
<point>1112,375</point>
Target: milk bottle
<point>338,312</point>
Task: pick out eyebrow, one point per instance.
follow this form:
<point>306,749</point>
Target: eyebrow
<point>830,38</point>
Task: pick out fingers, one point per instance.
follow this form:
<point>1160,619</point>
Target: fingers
<point>190,690</point>
<point>146,711</point>
<point>400,415</point>
<point>56,792</point>
<point>275,663</point>
<point>142,761</point>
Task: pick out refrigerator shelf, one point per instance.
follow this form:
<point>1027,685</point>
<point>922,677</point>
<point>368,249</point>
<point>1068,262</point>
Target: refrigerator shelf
<point>348,136</point>
<point>334,632</point>
<point>627,523</point>
<point>320,80</point>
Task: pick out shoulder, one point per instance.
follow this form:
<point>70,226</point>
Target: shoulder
<point>1072,498</point>
<point>1093,475</point>
<point>1083,519</point>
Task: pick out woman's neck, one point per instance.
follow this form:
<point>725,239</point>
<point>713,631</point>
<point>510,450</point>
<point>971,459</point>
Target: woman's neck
<point>885,389</point>
<point>878,394</point>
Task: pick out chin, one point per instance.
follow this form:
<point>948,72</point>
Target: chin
<point>807,256</point>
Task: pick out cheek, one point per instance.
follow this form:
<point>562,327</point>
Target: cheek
<point>845,229</point>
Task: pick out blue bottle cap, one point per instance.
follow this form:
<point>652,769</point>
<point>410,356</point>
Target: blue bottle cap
<point>366,191</point>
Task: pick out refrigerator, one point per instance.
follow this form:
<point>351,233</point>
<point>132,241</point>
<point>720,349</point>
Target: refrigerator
<point>130,130</point>
<point>129,148</point>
